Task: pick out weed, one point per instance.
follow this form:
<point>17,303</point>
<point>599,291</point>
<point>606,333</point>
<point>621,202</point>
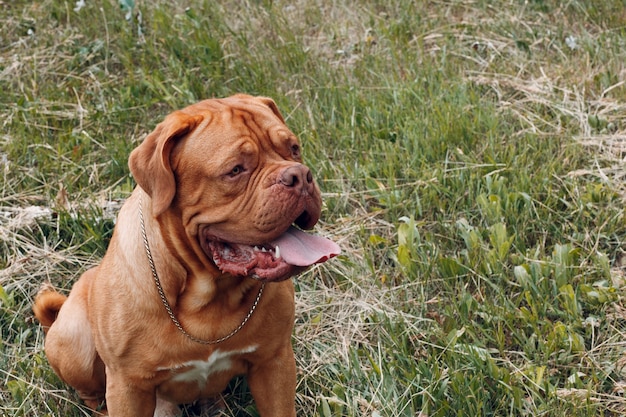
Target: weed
<point>471,158</point>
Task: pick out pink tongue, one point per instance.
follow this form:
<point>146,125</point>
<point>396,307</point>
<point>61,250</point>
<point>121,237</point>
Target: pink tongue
<point>302,249</point>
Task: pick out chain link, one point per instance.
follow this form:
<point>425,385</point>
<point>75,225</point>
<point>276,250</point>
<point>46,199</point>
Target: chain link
<point>166,303</point>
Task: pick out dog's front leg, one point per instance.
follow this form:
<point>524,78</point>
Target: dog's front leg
<point>273,385</point>
<point>125,399</point>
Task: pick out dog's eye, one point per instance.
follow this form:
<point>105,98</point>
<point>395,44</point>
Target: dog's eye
<point>236,171</point>
<point>295,150</point>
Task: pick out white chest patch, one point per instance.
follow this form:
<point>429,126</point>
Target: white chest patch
<point>199,370</point>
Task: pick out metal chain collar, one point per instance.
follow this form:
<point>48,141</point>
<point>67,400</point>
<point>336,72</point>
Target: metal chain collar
<point>166,304</point>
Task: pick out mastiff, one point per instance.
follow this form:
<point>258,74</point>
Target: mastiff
<point>194,288</point>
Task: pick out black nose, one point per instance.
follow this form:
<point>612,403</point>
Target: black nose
<point>296,176</point>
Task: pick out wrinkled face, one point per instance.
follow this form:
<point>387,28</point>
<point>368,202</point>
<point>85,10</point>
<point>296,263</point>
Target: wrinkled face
<point>240,178</point>
<point>237,183</point>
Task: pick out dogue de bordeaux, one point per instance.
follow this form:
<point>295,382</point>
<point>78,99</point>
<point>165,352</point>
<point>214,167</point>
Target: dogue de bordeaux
<point>194,288</point>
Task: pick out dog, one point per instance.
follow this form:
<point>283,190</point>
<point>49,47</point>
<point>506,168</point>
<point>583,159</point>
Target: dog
<point>194,288</point>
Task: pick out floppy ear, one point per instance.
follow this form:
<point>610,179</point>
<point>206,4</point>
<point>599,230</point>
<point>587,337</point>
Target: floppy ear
<point>150,162</point>
<point>272,105</point>
<point>264,100</point>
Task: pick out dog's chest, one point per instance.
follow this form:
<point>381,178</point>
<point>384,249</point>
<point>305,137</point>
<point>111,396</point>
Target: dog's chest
<point>200,371</point>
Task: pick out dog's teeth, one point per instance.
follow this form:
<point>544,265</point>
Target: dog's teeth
<point>263,250</point>
<point>277,250</point>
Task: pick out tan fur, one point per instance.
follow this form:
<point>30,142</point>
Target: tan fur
<point>112,336</point>
<point>47,304</point>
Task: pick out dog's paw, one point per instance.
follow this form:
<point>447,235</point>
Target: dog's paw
<point>166,409</point>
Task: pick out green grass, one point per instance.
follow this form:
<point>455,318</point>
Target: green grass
<point>471,159</point>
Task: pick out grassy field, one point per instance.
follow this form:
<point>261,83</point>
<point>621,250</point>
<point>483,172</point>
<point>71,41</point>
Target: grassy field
<point>471,156</point>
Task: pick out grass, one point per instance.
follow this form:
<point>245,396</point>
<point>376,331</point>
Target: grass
<point>471,158</point>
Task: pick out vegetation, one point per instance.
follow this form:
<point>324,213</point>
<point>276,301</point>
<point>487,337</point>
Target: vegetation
<point>471,157</point>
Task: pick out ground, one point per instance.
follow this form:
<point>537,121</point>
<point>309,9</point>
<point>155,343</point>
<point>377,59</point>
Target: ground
<point>471,156</point>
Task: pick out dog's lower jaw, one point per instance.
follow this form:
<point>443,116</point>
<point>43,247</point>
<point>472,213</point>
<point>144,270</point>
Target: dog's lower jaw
<point>250,261</point>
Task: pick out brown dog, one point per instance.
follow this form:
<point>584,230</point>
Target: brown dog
<point>179,304</point>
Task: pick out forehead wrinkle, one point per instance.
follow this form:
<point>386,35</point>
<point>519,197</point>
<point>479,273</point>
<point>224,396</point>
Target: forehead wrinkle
<point>244,150</point>
<point>260,125</point>
<point>256,131</point>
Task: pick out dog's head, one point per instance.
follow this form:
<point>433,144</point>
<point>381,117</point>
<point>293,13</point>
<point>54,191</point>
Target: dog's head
<point>232,172</point>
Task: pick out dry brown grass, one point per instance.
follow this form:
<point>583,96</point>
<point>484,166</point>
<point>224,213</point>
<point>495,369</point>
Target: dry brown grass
<point>371,338</point>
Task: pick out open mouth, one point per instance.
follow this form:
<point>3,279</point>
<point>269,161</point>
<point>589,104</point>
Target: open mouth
<point>277,260</point>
